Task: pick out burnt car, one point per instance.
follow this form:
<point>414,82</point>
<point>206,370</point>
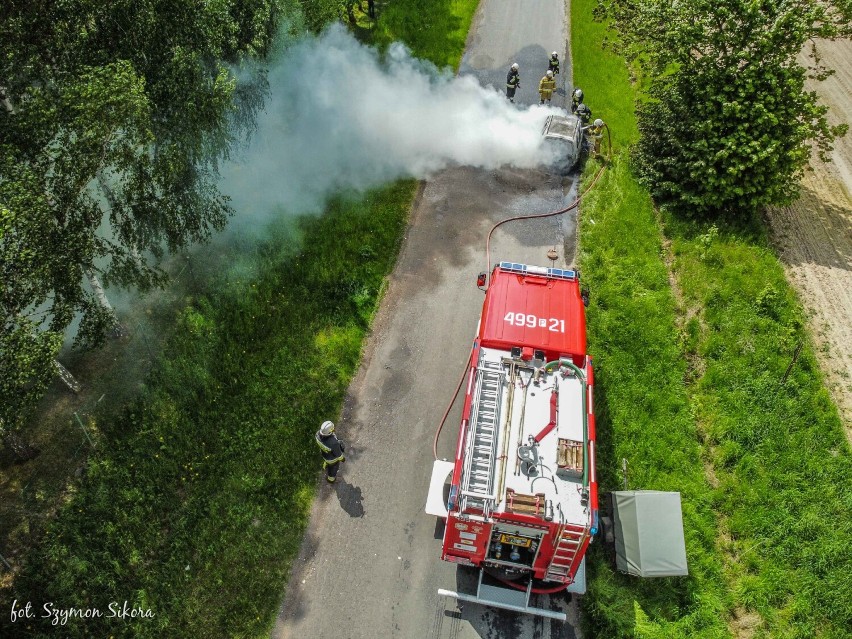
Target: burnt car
<point>563,136</point>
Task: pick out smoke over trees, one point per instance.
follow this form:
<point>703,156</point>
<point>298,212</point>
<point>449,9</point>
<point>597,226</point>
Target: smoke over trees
<point>116,121</point>
<point>110,113</point>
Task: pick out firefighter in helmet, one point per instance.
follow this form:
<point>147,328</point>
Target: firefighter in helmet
<point>595,133</point>
<point>553,63</point>
<point>546,87</point>
<point>332,450</point>
<point>513,82</point>
<point>576,99</point>
<point>584,113</point>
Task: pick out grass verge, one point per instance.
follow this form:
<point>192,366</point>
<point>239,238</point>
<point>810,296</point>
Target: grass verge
<point>434,30</point>
<point>689,391</point>
<point>196,503</point>
<point>779,456</point>
<point>643,415</point>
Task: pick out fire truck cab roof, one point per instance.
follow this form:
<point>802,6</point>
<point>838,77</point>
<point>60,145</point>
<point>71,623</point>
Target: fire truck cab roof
<point>534,308</point>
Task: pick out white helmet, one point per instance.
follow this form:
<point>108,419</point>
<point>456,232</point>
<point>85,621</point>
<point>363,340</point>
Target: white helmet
<point>549,73</point>
<point>554,55</point>
<point>578,93</point>
<point>598,122</point>
<point>327,428</point>
<point>515,66</point>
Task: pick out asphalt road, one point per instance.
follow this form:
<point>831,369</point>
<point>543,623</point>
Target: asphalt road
<point>370,563</point>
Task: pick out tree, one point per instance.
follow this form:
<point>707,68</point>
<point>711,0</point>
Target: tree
<point>318,13</point>
<point>26,370</point>
<point>27,351</point>
<point>726,123</point>
<point>113,117</point>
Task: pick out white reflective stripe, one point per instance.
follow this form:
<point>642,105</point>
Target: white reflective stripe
<point>461,439</point>
<point>592,460</point>
<point>470,380</point>
<point>465,548</point>
<point>591,406</point>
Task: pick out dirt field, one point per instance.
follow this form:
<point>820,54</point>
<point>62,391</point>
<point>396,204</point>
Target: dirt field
<point>814,238</point>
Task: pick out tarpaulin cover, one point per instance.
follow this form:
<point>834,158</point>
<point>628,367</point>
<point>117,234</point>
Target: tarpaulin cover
<point>649,533</point>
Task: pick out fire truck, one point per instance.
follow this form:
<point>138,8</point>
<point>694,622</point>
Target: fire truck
<point>521,505</point>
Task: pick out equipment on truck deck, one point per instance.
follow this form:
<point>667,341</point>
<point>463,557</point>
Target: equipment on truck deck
<point>523,503</point>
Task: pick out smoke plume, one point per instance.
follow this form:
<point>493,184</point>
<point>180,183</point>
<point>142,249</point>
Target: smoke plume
<point>339,118</point>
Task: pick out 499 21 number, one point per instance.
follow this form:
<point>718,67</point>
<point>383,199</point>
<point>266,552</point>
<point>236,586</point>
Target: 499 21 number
<point>552,324</point>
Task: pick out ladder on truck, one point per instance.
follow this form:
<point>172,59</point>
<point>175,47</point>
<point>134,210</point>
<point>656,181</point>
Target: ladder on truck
<point>566,557</point>
<point>481,454</point>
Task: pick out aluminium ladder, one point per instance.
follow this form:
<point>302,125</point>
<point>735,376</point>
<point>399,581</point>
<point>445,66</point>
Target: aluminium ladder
<point>478,485</point>
<point>564,562</point>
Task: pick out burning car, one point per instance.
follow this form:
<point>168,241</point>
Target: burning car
<point>563,136</point>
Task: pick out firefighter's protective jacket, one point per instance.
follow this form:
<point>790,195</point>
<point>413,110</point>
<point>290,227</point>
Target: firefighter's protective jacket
<point>331,447</point>
<point>546,88</point>
<point>513,79</point>
<point>554,65</point>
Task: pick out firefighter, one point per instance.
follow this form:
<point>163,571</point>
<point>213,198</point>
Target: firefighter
<point>576,99</point>
<point>546,87</point>
<point>332,450</point>
<point>513,82</point>
<point>584,113</point>
<point>595,133</point>
<point>553,64</point>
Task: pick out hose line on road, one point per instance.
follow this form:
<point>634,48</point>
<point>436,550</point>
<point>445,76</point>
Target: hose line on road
<point>447,412</point>
<point>571,206</point>
<point>535,591</point>
<point>533,216</point>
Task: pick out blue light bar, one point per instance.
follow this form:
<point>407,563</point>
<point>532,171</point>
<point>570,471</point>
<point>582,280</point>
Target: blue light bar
<point>524,269</point>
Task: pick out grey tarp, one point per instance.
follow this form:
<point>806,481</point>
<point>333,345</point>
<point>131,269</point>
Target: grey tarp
<point>649,533</point>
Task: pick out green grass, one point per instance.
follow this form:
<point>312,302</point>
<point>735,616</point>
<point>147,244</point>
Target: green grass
<point>197,506</point>
<point>643,415</point>
<point>689,391</point>
<point>602,75</point>
<point>435,30</point>
<point>778,450</point>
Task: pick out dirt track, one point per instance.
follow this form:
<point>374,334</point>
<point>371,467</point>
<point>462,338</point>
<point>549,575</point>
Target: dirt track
<point>814,237</point>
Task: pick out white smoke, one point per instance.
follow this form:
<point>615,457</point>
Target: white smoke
<point>339,118</point>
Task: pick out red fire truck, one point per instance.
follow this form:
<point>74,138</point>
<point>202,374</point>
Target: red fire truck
<point>522,504</point>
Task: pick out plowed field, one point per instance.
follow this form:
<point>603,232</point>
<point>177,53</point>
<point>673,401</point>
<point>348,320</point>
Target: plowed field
<point>814,237</point>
